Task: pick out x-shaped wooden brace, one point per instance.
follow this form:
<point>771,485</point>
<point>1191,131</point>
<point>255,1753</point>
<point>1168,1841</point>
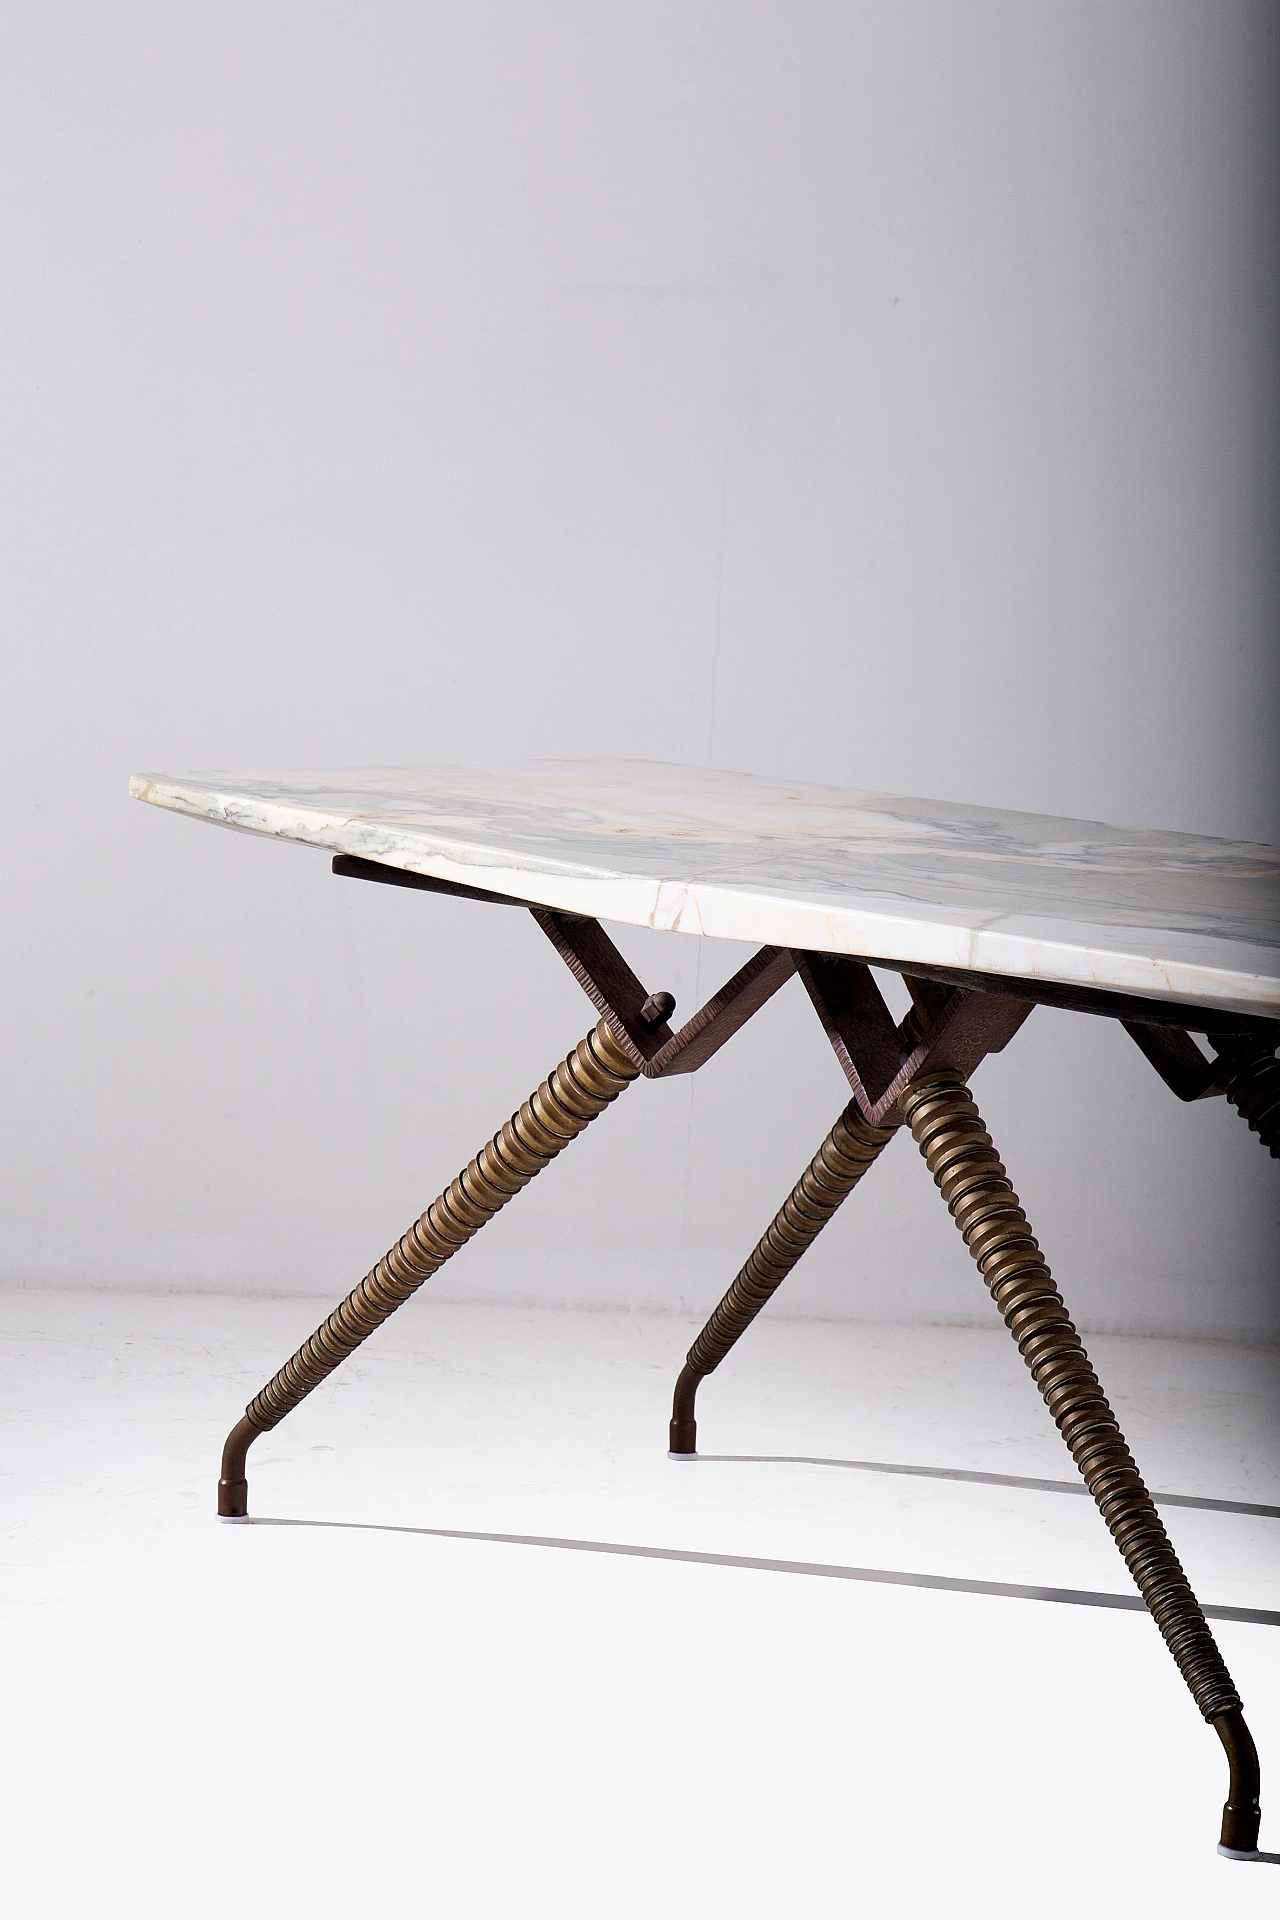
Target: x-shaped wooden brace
<point>948,1025</point>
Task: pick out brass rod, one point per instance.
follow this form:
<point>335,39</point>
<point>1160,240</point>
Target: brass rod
<point>959,1153</point>
<point>852,1146</point>
<point>1254,1092</point>
<point>572,1096</point>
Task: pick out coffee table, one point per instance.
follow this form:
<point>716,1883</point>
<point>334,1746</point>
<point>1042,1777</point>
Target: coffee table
<point>985,914</point>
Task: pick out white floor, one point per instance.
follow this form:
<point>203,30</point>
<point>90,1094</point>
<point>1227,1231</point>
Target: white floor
<point>336,1711</point>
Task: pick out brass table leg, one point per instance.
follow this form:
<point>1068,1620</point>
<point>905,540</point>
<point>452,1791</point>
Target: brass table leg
<point>1254,1092</point>
<point>958,1151</point>
<point>840,1162</point>
<point>581,1087</point>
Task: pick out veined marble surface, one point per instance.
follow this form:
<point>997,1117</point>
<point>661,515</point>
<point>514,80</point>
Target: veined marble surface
<point>1167,915</point>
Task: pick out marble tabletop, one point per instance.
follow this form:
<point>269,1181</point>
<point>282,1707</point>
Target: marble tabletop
<point>787,863</point>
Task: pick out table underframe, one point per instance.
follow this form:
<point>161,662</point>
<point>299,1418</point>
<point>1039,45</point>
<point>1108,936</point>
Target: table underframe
<point>912,1073</point>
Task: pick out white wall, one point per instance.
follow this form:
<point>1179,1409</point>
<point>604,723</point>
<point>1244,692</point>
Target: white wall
<point>880,393</point>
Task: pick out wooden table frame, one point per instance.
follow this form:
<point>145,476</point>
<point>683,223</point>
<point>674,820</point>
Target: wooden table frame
<point>911,1073</point>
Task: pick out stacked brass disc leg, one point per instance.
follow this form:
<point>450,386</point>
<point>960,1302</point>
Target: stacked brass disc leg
<point>581,1087</point>
<point>835,1170</point>
<point>949,1132</point>
<point>1254,1092</point>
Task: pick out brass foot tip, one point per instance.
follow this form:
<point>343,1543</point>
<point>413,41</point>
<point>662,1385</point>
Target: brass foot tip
<point>233,1499</point>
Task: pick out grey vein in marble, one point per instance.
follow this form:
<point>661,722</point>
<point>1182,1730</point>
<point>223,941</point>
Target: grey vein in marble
<point>734,856</point>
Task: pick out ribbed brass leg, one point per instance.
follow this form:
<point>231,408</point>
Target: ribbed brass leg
<point>835,1170</point>
<point>1254,1092</point>
<point>949,1132</point>
<point>581,1087</point>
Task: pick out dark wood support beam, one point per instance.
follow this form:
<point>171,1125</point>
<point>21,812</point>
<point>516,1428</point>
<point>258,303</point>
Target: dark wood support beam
<point>608,983</point>
<point>956,1029</point>
<point>723,1014</point>
<point>1179,1061</point>
<point>349,866</point>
